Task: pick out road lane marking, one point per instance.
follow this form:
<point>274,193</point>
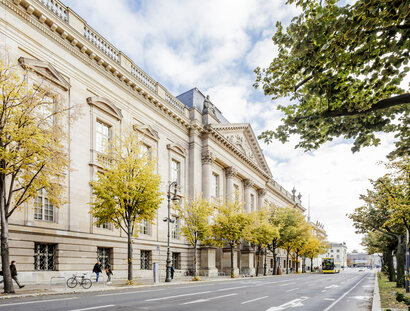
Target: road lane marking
<point>286,284</point>
<point>254,300</point>
<point>323,291</point>
<point>133,292</point>
<point>341,297</point>
<point>35,301</point>
<point>291,290</point>
<point>230,288</point>
<point>208,299</point>
<point>332,286</point>
<point>291,304</point>
<point>177,296</point>
<point>92,308</point>
<point>330,299</point>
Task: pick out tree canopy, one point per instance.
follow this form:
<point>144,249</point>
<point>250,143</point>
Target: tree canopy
<point>342,68</point>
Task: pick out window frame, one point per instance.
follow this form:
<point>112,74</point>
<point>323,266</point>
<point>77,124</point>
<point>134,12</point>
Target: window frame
<point>44,197</point>
<point>45,255</point>
<point>145,259</point>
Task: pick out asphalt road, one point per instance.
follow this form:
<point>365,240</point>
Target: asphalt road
<point>350,290</point>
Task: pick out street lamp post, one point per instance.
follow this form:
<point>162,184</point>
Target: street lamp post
<point>168,220</point>
<point>264,264</point>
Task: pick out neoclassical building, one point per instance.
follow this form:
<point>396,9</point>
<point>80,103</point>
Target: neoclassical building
<point>194,143</point>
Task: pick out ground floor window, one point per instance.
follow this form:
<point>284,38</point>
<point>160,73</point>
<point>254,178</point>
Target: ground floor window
<point>104,255</point>
<point>176,262</point>
<point>145,260</point>
<point>44,256</point>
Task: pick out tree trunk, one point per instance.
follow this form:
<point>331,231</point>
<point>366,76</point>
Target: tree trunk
<point>5,260</point>
<point>311,264</point>
<point>257,260</point>
<point>390,266</point>
<point>287,261</point>
<point>232,270</point>
<point>297,261</point>
<point>274,261</point>
<point>304,264</point>
<point>401,261</point>
<point>195,259</point>
<point>130,276</point>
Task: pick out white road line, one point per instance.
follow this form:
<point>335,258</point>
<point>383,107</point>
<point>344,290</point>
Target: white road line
<point>92,308</point>
<point>341,297</point>
<point>254,300</point>
<point>177,296</point>
<point>36,301</point>
<point>133,292</point>
<point>291,304</point>
<point>286,284</point>
<point>208,299</point>
<point>230,288</point>
<point>291,290</point>
<point>330,299</point>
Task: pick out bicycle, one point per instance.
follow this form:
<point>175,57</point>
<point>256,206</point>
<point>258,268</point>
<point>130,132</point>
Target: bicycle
<point>84,282</point>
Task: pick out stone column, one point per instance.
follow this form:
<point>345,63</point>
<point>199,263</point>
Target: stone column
<point>261,198</point>
<point>207,160</point>
<point>230,175</point>
<point>226,261</point>
<point>208,261</point>
<point>248,185</point>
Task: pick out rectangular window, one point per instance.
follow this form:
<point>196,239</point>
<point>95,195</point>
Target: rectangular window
<point>176,172</point>
<point>146,151</point>
<point>252,202</point>
<point>215,185</point>
<point>104,225</point>
<point>145,260</point>
<point>175,227</point>
<point>104,255</point>
<point>45,110</point>
<point>176,261</point>
<point>43,209</point>
<point>44,256</point>
<point>102,136</point>
<point>145,227</point>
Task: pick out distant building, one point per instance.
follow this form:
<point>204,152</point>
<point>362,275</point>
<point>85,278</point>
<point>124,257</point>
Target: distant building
<point>339,252</point>
<point>357,259</point>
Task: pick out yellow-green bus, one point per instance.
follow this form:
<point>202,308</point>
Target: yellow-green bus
<point>330,266</point>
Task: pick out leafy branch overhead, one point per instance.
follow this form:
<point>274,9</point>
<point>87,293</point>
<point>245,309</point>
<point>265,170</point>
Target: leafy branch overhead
<point>342,68</point>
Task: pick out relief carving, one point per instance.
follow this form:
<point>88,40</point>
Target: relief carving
<point>231,172</point>
<point>240,142</point>
<point>207,157</point>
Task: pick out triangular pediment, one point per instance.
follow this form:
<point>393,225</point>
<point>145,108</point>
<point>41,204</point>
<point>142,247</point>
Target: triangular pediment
<point>242,137</point>
<point>46,70</point>
<point>105,105</point>
<point>146,130</point>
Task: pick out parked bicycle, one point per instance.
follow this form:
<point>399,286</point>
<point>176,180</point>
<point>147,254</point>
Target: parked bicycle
<point>84,282</point>
<point>189,272</point>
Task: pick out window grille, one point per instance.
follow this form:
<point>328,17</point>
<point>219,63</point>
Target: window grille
<point>176,261</point>
<point>43,209</point>
<point>145,260</point>
<point>104,255</point>
<point>44,256</point>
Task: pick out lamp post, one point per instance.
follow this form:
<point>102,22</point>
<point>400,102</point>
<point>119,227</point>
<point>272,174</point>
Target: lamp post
<point>168,219</point>
<point>264,264</point>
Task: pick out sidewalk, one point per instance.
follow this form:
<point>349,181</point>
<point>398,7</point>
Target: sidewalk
<point>58,286</point>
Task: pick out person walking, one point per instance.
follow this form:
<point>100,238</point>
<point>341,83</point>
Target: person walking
<point>172,272</point>
<point>108,271</point>
<point>13,271</point>
<point>97,270</point>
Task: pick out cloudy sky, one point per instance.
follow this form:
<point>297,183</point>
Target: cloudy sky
<point>215,45</point>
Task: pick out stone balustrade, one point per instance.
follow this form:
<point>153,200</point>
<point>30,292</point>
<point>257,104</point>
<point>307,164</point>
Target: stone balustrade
<point>57,8</point>
<point>143,77</point>
<point>174,102</point>
<point>101,44</point>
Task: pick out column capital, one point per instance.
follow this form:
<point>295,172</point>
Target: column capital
<point>231,171</point>
<point>207,157</point>
<point>262,192</point>
<point>248,183</point>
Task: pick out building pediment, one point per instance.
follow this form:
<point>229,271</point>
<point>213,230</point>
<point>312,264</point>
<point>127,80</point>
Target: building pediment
<point>146,130</point>
<point>242,137</point>
<point>46,70</point>
<point>105,105</point>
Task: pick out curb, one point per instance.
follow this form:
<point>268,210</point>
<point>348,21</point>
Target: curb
<point>376,306</point>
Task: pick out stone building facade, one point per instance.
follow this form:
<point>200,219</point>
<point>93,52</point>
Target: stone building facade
<point>192,140</point>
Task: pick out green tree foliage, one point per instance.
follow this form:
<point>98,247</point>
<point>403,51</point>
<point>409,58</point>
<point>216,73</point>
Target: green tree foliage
<point>260,231</point>
<point>128,189</point>
<point>229,226</point>
<point>195,215</point>
<point>33,150</point>
<point>341,68</point>
<point>313,247</point>
<point>386,209</point>
<point>292,226</point>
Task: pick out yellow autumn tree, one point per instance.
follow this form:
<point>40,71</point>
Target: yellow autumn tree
<point>127,191</point>
<point>229,226</point>
<point>196,226</point>
<point>33,146</point>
